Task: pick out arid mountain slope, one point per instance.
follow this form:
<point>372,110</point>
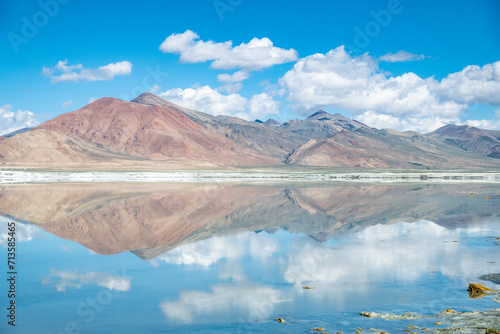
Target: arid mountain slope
<point>266,140</point>
<point>372,148</point>
<point>470,139</point>
<point>45,147</point>
<point>153,132</point>
<point>165,135</point>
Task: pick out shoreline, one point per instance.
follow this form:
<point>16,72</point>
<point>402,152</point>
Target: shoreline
<point>247,175</point>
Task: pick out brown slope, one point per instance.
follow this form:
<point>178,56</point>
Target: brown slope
<point>153,132</point>
<point>269,141</point>
<point>470,139</point>
<point>371,148</point>
<point>43,147</point>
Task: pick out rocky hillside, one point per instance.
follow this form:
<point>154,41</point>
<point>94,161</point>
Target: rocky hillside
<point>159,133</point>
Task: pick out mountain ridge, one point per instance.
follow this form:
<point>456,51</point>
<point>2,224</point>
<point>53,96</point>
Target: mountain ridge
<point>150,128</point>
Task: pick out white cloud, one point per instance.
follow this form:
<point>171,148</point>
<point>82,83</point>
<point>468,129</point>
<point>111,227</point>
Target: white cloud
<point>231,88</point>
<point>206,99</point>
<point>155,89</point>
<point>420,124</point>
<point>73,279</point>
<point>401,56</point>
<point>67,104</point>
<point>92,99</point>
<point>235,77</point>
<point>484,123</point>
<point>251,56</point>
<point>356,84</point>
<point>261,105</point>
<point>252,301</point>
<point>211,101</point>
<point>497,112</point>
<point>231,248</point>
<point>474,84</point>
<point>406,102</point>
<point>64,72</point>
<point>14,120</point>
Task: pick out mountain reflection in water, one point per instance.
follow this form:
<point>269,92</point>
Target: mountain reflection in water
<point>232,258</point>
<point>151,220</point>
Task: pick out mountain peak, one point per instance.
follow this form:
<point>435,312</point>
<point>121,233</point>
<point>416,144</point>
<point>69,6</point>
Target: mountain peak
<point>272,121</point>
<point>145,95</point>
<point>319,114</point>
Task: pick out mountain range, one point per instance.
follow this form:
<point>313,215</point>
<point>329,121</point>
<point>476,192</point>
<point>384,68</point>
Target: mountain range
<point>150,132</point>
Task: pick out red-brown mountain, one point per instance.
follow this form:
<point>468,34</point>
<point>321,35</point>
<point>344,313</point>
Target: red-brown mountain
<point>152,132</point>
<point>268,141</point>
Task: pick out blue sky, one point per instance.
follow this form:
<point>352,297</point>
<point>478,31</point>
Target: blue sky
<point>408,65</point>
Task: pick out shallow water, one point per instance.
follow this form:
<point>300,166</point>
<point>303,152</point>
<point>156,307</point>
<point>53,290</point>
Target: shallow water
<point>232,258</point>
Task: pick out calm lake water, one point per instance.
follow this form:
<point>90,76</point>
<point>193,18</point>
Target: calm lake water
<point>116,258</point>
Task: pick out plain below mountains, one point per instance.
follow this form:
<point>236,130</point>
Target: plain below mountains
<point>150,132</point>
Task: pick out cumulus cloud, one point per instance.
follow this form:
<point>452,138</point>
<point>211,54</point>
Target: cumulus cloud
<point>474,84</point>
<point>420,124</point>
<point>64,72</point>
<point>92,99</point>
<point>14,120</point>
<point>489,124</point>
<point>231,88</point>
<point>254,55</point>
<point>155,89</point>
<point>401,56</point>
<point>67,104</point>
<point>261,105</point>
<point>254,302</point>
<point>73,279</point>
<point>352,83</point>
<point>497,112</point>
<point>206,99</point>
<point>357,84</point>
<point>235,77</point>
<point>211,101</point>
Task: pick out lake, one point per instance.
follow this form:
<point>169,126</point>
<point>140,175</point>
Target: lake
<point>234,257</point>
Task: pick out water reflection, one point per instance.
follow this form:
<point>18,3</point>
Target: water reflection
<point>63,279</point>
<point>151,220</point>
<point>231,258</point>
<point>248,301</point>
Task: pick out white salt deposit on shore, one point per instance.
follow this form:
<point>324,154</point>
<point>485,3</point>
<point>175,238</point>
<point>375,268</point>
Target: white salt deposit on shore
<point>16,176</point>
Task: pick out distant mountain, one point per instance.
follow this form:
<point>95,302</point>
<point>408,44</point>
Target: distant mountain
<point>161,134</point>
<point>321,125</point>
<point>470,139</point>
<point>272,122</point>
<point>372,148</point>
